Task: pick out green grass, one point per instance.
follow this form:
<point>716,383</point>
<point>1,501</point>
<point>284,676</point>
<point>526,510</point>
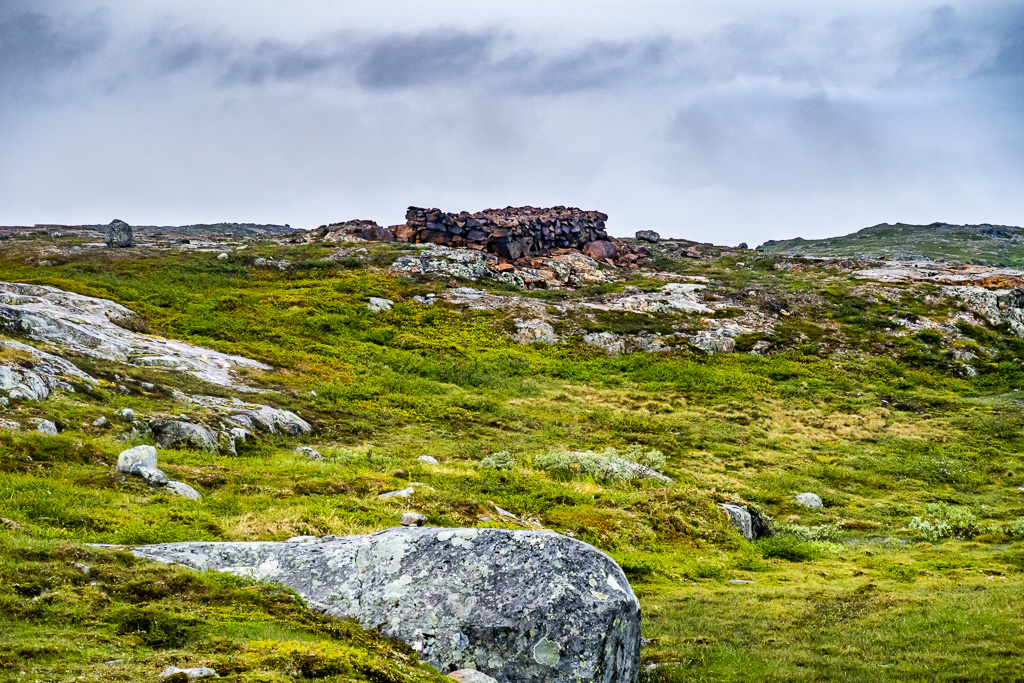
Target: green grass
<point>880,426</point>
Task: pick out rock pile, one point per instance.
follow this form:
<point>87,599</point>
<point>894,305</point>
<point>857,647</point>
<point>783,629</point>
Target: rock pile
<point>141,462</point>
<point>511,233</point>
<point>351,231</point>
<point>515,605</point>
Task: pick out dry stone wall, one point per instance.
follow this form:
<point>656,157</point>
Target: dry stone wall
<point>511,233</point>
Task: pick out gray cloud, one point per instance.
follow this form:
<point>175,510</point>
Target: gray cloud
<point>32,43</point>
<point>436,56</point>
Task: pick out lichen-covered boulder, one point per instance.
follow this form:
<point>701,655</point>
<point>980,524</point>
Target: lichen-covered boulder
<point>516,605</point>
<point>119,234</point>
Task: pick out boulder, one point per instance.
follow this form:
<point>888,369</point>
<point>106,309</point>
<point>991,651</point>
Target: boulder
<point>810,500</point>
<point>609,341</point>
<point>377,304</point>
<point>193,673</point>
<point>648,236</point>
<point>184,490</point>
<point>119,234</point>
<point>413,519</point>
<point>515,605</point>
<point>529,331</point>
<point>310,453</point>
<point>600,250</point>
<point>134,458</point>
<point>180,434</point>
<point>427,459</point>
<point>45,427</point>
<point>401,493</point>
<point>152,475</point>
<point>748,523</point>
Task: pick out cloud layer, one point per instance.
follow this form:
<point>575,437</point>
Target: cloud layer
<point>753,126</point>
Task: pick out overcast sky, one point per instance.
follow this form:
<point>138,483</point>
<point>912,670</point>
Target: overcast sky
<point>721,121</point>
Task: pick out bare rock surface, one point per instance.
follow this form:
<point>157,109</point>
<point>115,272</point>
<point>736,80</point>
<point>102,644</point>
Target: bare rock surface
<point>38,375</point>
<point>515,605</point>
<point>96,327</point>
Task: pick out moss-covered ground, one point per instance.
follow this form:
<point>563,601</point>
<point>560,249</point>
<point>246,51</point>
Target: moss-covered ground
<point>880,425</point>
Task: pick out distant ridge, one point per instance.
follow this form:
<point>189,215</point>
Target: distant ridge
<point>983,244</point>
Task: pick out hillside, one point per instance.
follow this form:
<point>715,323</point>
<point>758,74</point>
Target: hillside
<point>979,244</point>
<point>744,377</point>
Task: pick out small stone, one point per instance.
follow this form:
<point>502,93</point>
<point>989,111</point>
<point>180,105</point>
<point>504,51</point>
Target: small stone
<point>413,519</point>
<point>648,236</point>
<point>133,458</point>
<point>403,493</point>
<point>301,539</point>
<point>152,475</point>
<point>83,569</point>
<point>428,459</point>
<point>378,304</point>
<point>46,427</point>
<point>125,414</point>
<point>222,256</point>
<point>310,453</point>
<point>99,421</point>
<point>193,673</point>
<point>182,489</point>
<point>743,581</point>
<point>810,500</point>
<point>471,676</point>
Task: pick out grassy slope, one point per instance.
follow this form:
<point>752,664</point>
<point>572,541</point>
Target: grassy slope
<point>879,426</point>
<point>964,244</point>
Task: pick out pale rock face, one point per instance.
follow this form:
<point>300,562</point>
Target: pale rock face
<point>741,519</point>
<point>529,331</point>
<point>810,500</point>
<point>377,304</point>
<point>46,374</point>
<point>183,490</point>
<point>133,458</point>
<point>45,427</point>
<point>92,327</point>
<point>609,341</point>
<point>516,605</point>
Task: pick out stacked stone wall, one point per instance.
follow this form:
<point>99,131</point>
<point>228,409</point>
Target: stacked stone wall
<point>511,233</point>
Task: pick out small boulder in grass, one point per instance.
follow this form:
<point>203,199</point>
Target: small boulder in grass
<point>193,674</point>
<point>810,500</point>
<point>427,459</point>
<point>471,676</point>
<point>310,453</point>
<point>134,458</point>
<point>413,519</point>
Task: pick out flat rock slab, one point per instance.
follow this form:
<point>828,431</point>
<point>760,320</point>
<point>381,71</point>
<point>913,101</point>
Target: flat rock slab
<point>516,605</point>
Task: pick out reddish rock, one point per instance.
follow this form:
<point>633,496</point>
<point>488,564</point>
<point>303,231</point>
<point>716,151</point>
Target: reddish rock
<point>602,250</point>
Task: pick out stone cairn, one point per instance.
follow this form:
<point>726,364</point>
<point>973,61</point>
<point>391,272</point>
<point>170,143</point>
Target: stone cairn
<point>511,233</point>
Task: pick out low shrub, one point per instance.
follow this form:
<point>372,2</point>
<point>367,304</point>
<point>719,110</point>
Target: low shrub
<point>502,460</point>
<point>943,521</point>
<point>609,465</point>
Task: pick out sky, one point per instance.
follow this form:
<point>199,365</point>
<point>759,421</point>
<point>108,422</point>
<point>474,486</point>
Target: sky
<point>727,122</point>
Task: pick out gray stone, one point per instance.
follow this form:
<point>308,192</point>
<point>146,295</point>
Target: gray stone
<point>133,458</point>
<point>740,581</point>
<point>152,475</point>
<point>180,434</point>
<point>413,519</point>
<point>377,304</point>
<point>126,414</point>
<point>310,453</point>
<point>609,341</point>
<point>428,459</point>
<point>193,673</point>
<point>402,493</point>
<point>45,427</point>
<point>516,605</point>
<point>183,490</point>
<point>471,676</point>
<point>10,425</point>
<point>648,236</point>
<point>529,331</point>
<point>99,421</point>
<point>222,257</point>
<point>810,500</point>
<point>119,234</point>
<point>745,522</point>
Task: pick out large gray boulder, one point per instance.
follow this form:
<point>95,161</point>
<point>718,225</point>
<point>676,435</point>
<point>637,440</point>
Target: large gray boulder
<point>516,605</point>
<point>119,234</point>
<point>181,434</point>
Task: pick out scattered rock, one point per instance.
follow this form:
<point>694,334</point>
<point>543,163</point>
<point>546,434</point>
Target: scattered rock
<point>184,490</point>
<point>310,453</point>
<point>428,459</point>
<point>152,475</point>
<point>810,500</point>
<point>281,265</point>
<point>222,256</point>
<point>413,519</point>
<point>471,676</point>
<point>648,236</point>
<point>10,425</point>
<point>82,568</point>
<point>45,426</point>
<point>746,522</point>
<point>402,493</point>
<point>132,459</point>
<point>119,234</point>
<point>609,341</point>
<point>377,304</point>
<point>10,524</point>
<point>600,251</point>
<point>193,673</point>
<point>530,331</point>
<point>125,414</point>
<point>740,581</point>
<point>181,434</point>
<point>100,421</point>
<point>516,605</point>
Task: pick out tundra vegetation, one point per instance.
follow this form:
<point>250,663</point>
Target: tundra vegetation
<point>912,570</point>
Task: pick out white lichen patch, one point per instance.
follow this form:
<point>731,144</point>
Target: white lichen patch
<point>547,652</point>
